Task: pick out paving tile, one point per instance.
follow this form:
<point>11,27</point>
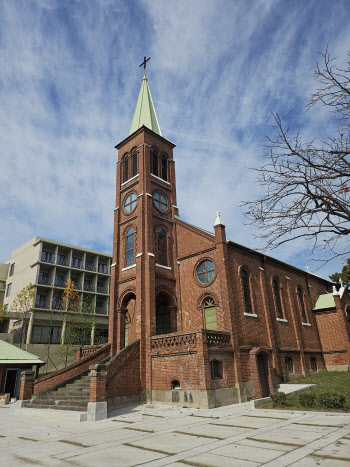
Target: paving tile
<point>218,431</point>
<point>338,420</point>
<point>293,437</point>
<point>172,442</point>
<point>310,461</point>
<point>240,451</point>
<point>249,422</point>
<point>340,448</point>
<point>308,427</point>
<point>266,445</point>
<point>121,456</point>
<point>212,460</point>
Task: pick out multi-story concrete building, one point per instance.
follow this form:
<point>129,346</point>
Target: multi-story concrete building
<point>48,265</point>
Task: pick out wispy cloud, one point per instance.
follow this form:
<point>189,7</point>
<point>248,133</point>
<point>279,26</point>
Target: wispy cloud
<point>69,85</point>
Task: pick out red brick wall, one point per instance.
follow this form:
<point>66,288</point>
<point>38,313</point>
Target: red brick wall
<point>123,372</point>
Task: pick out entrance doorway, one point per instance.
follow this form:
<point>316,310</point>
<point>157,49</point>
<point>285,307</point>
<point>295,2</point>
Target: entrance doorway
<point>263,367</point>
<point>12,382</point>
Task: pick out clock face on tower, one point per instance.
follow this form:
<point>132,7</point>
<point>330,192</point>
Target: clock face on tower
<point>160,201</point>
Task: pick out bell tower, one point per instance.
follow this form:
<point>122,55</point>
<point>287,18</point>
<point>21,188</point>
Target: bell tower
<point>143,275</point>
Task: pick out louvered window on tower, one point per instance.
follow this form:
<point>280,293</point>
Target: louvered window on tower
<point>134,163</point>
<point>154,156</point>
<point>126,169</point>
<point>246,291</point>
<point>164,168</point>
<point>130,247</point>
<point>162,247</point>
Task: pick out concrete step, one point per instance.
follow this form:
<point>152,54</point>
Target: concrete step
<point>66,392</point>
<point>75,408</point>
<point>77,385</point>
<point>62,397</point>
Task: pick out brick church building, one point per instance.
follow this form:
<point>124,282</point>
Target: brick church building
<point>196,319</point>
<point>217,322</point>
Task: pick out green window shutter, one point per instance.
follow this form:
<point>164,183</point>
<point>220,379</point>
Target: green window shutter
<point>210,318</point>
<point>126,334</point>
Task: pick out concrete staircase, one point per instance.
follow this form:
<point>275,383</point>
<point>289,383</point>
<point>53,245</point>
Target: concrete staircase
<point>72,395</point>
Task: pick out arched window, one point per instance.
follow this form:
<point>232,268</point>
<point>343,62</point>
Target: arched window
<point>216,369</point>
<point>210,314</point>
<point>154,162</point>
<point>126,169</point>
<point>164,168</point>
<point>246,291</point>
<point>130,247</point>
<point>301,304</point>
<point>162,256</point>
<point>134,163</point>
<point>163,324</point>
<point>289,364</point>
<point>277,293</point>
<point>313,364</point>
<point>175,384</point>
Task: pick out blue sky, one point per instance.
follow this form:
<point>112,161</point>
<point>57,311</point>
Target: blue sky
<point>69,84</point>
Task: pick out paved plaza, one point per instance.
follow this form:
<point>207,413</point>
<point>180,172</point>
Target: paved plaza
<point>159,435</point>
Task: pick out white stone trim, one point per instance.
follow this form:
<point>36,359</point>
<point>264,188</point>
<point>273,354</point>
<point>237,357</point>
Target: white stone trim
<point>151,196</point>
<point>288,278</point>
<point>129,267</point>
<point>161,266</point>
<point>174,206</point>
<point>252,315</point>
<point>116,209</point>
<point>151,254</point>
<point>158,178</point>
<point>261,269</point>
<point>132,178</point>
<point>306,324</point>
<point>282,320</point>
<point>138,255</point>
<point>114,264</point>
<point>139,195</point>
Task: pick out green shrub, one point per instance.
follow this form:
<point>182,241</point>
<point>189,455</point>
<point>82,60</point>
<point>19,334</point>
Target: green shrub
<point>307,399</point>
<point>279,399</point>
<point>332,400</point>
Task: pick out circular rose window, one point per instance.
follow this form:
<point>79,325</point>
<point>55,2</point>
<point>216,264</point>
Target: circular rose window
<point>130,202</point>
<point>160,201</point>
<point>205,271</point>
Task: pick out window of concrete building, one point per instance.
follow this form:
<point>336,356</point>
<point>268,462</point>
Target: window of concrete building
<point>246,291</point>
<point>277,294</point>
<point>301,304</point>
<point>161,247</point>
<point>47,257</point>
<point>6,308</point>
<point>130,247</point>
<point>154,162</point>
<point>8,290</point>
<point>61,260</point>
<point>289,364</point>
<point>43,278</point>
<point>40,301</point>
<point>46,334</point>
<point>101,336</point>
<point>210,314</point>
<point>57,302</point>
<point>77,263</point>
<point>205,271</point>
<point>12,269</point>
<point>102,268</point>
<point>134,163</point>
<point>313,364</point>
<point>164,168</point>
<point>216,369</point>
<point>59,280</point>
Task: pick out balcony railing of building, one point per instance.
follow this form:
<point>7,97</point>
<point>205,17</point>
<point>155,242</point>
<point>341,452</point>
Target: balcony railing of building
<point>62,261</point>
<point>44,281</point>
<point>47,257</point>
<point>102,290</point>
<point>57,305</point>
<point>89,288</point>
<point>77,263</point>
<point>43,304</point>
<point>90,267</point>
<point>100,310</point>
<point>102,268</point>
<point>59,283</point>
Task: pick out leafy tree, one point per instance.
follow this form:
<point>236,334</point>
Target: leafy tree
<point>343,276</point>
<point>78,318</point>
<point>306,184</point>
<point>22,304</point>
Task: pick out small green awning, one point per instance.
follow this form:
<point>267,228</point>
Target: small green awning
<point>11,354</point>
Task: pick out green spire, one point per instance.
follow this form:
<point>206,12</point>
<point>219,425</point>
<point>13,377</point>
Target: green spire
<point>145,113</point>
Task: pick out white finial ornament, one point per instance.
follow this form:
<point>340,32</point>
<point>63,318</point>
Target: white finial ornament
<point>218,219</point>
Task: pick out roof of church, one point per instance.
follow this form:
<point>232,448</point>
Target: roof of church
<point>145,113</point>
<point>325,301</point>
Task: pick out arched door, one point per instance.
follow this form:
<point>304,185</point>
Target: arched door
<point>263,368</point>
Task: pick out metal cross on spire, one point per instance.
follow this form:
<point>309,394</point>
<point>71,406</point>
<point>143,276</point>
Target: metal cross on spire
<point>144,62</point>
